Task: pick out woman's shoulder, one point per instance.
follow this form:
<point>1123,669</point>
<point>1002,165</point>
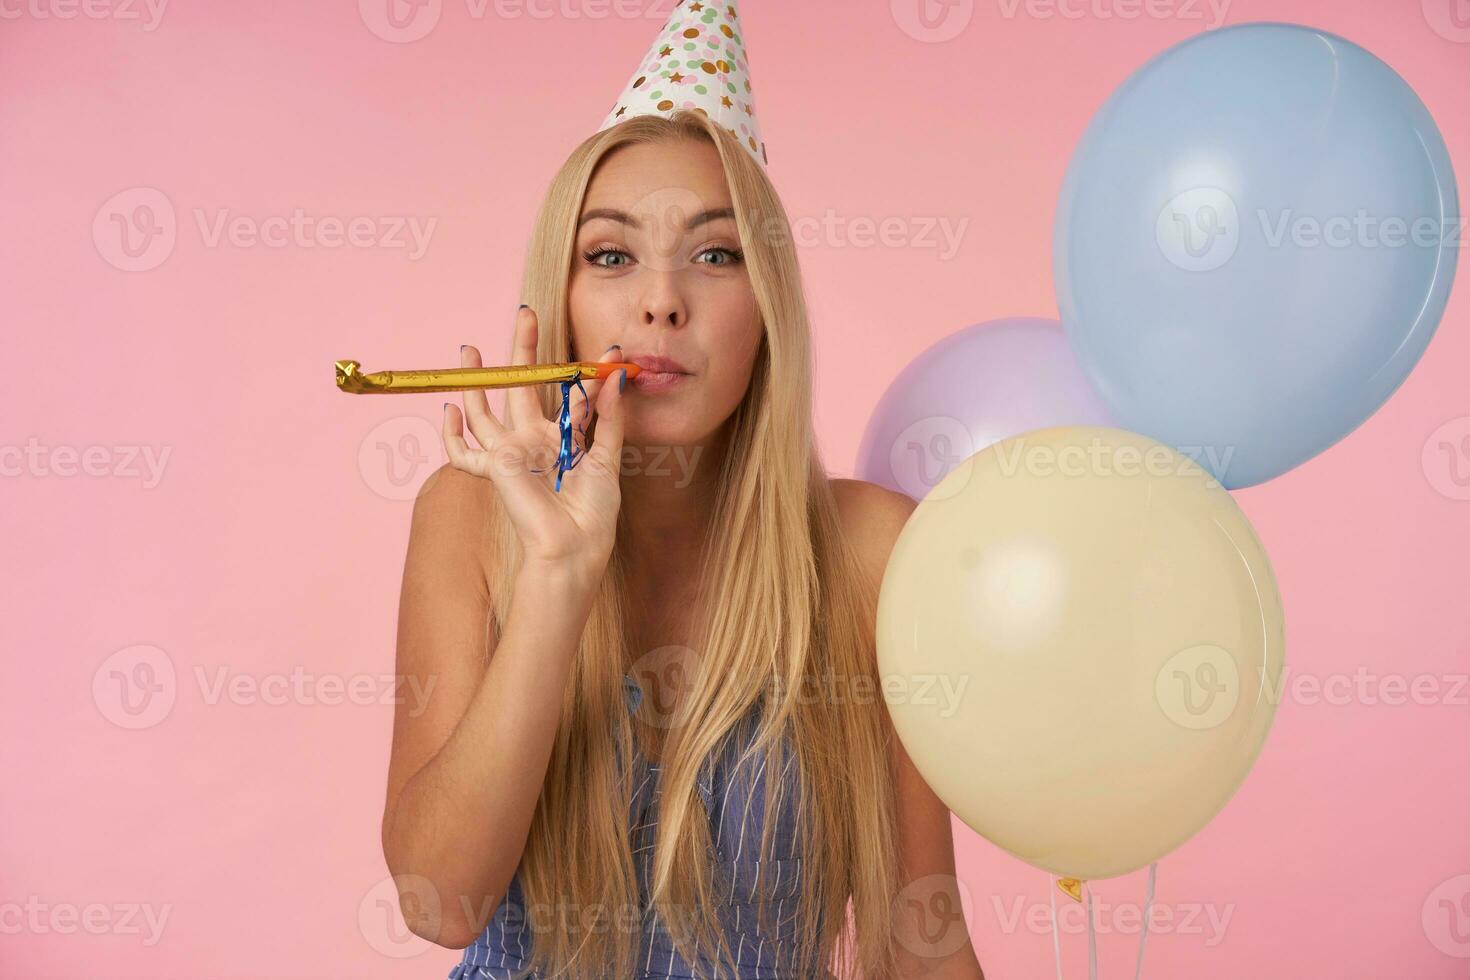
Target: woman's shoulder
<point>872,517</point>
<point>449,495</point>
<point>453,517</point>
<point>860,502</point>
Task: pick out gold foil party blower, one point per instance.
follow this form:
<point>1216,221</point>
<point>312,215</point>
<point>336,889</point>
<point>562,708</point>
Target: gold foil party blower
<point>351,379</point>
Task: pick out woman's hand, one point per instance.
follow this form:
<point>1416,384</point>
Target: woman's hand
<point>571,529</point>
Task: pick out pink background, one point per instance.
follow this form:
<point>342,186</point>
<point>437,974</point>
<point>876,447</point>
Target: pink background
<point>271,541</point>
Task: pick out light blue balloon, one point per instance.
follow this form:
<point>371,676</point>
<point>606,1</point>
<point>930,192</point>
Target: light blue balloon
<point>1254,244</point>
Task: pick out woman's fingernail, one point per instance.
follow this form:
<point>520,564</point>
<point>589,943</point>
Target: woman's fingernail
<point>614,347</point>
<point>462,347</point>
<point>622,379</point>
<point>521,307</point>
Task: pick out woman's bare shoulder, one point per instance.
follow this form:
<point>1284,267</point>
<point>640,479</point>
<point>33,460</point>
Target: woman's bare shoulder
<point>872,516</point>
<point>451,488</point>
<point>453,517</point>
<point>860,501</point>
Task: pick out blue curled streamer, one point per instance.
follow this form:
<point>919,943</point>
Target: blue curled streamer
<point>569,456</point>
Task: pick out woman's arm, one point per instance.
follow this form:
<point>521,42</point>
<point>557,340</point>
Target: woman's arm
<point>933,939</point>
<point>928,944</point>
<point>467,767</point>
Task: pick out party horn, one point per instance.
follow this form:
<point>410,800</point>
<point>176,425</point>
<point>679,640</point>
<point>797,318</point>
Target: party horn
<point>350,379</point>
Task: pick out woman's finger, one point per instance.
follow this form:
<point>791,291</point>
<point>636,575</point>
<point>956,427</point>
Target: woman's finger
<point>579,401</point>
<point>521,404</point>
<point>502,456</point>
<point>459,451</point>
<point>481,420</point>
<point>522,492</point>
<point>607,448</point>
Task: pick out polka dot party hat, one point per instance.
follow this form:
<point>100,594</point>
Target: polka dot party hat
<point>696,62</point>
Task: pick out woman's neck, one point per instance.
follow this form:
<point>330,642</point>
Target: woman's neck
<point>668,501</point>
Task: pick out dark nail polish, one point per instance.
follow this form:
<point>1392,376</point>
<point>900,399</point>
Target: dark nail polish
<point>521,307</point>
<point>614,347</point>
<point>462,347</point>
<point>622,379</point>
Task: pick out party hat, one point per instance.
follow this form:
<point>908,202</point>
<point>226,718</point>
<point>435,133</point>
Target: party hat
<point>696,62</point>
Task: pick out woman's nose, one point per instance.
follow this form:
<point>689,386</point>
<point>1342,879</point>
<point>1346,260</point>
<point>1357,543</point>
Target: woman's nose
<point>656,316</point>
<point>663,306</point>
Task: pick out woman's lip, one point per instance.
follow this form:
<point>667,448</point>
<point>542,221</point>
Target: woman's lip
<point>652,381</point>
<point>653,362</point>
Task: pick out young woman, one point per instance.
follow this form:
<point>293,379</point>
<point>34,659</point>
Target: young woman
<point>657,745</point>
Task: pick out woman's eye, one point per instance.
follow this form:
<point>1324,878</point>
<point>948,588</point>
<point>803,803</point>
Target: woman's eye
<point>593,256</point>
<point>617,257</point>
<point>731,255</point>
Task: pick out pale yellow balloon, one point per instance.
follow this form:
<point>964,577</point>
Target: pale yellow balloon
<point>1081,638</point>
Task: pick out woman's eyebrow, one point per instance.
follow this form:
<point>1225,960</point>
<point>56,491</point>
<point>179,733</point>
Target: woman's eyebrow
<point>622,217</point>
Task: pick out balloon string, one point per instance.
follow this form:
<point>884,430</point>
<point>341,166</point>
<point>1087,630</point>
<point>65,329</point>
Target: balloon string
<point>1148,913</point>
<point>1091,938</point>
<point>568,456</point>
<point>1056,948</point>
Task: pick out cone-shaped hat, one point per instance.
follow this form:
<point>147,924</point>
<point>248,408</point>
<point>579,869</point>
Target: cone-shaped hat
<point>696,62</point>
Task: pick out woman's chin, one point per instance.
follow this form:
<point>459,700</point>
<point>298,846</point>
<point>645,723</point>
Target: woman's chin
<point>669,434</point>
<point>668,431</point>
<point>659,439</point>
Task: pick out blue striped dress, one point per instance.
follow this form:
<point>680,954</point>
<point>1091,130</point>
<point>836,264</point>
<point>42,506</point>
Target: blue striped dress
<point>734,798</point>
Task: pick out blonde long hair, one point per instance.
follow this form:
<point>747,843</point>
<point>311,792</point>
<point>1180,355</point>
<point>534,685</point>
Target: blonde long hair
<point>788,612</point>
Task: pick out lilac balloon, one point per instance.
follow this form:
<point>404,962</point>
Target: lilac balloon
<point>974,388</point>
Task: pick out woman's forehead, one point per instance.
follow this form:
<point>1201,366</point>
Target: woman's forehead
<point>654,179</point>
